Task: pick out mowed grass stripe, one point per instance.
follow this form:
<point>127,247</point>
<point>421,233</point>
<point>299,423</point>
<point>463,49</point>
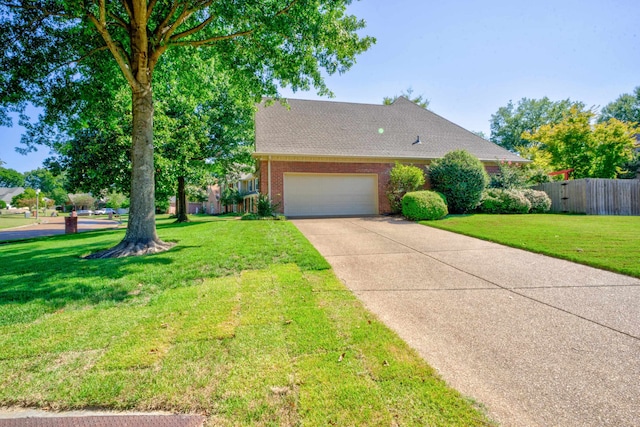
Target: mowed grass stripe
<point>282,344</point>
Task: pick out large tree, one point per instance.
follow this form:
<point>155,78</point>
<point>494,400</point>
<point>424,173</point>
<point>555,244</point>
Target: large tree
<point>204,130</point>
<point>626,108</point>
<point>264,42</point>
<point>592,151</point>
<point>510,122</point>
<point>202,124</point>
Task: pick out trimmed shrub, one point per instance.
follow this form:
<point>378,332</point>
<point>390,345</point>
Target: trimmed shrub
<point>424,205</point>
<point>461,177</point>
<point>402,179</point>
<point>3,204</point>
<point>501,201</point>
<point>540,201</point>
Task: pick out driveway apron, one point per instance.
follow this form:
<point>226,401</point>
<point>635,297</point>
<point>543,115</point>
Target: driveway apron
<point>537,340</point>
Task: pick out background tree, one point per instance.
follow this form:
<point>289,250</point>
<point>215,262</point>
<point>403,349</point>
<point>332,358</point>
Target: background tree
<point>510,122</point>
<point>27,199</point>
<point>51,185</point>
<point>593,151</point>
<point>204,129</point>
<point>480,134</point>
<point>115,200</point>
<point>83,201</point>
<point>47,46</point>
<point>421,100</point>
<point>626,108</point>
<point>11,178</point>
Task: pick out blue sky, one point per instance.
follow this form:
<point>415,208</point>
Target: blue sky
<point>469,58</point>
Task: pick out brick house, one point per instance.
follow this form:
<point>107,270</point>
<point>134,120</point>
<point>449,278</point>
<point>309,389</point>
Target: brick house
<point>323,158</point>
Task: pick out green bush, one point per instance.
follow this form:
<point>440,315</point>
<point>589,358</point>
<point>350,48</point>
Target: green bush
<point>511,176</point>
<point>461,177</point>
<point>424,205</point>
<point>402,179</point>
<point>502,201</point>
<point>518,176</point>
<point>540,201</point>
<point>3,204</point>
<point>265,207</point>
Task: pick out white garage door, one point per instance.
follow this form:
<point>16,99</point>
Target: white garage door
<point>329,194</point>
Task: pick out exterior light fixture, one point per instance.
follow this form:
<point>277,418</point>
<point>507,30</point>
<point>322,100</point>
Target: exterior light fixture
<point>417,141</point>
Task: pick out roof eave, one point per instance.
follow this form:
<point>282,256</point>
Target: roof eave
<point>342,156</point>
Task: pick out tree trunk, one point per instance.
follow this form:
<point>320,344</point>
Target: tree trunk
<point>141,237</point>
<point>181,201</point>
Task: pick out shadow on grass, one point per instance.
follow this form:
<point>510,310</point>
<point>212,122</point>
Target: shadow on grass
<point>52,270</point>
<point>47,274</point>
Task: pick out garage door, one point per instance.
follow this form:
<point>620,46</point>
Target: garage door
<point>330,194</point>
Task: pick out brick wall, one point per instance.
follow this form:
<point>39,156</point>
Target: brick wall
<point>279,168</point>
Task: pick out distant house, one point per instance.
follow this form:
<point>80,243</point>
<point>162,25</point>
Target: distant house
<point>211,206</point>
<point>8,193</point>
<point>320,158</point>
<point>246,185</point>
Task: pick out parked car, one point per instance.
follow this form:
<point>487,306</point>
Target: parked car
<point>99,212</point>
<point>84,212</point>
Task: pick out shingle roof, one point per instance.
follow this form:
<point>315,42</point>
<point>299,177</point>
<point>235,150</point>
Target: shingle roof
<point>8,193</point>
<point>326,128</point>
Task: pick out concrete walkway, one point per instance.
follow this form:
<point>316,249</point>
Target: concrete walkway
<point>50,226</point>
<point>539,341</point>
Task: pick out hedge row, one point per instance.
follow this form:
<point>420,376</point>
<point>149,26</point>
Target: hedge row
<point>503,201</point>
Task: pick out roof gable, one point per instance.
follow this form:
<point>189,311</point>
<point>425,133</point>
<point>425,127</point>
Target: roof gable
<point>340,129</point>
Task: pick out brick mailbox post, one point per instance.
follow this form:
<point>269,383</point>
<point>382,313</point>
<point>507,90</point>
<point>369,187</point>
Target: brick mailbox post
<point>71,223</point>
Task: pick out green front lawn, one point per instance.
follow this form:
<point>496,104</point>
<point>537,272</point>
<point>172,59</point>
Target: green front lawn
<point>607,242</point>
<point>14,220</point>
<point>242,321</point>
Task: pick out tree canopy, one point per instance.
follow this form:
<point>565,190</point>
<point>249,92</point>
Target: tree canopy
<point>52,186</point>
<point>510,122</point>
<point>11,178</point>
<point>626,108</point>
<point>593,151</point>
<point>27,199</point>
<point>53,49</point>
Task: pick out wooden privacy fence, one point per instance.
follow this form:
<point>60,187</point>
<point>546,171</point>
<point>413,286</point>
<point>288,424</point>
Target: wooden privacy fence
<point>594,196</point>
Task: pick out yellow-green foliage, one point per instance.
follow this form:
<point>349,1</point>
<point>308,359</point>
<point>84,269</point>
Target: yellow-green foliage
<point>593,151</point>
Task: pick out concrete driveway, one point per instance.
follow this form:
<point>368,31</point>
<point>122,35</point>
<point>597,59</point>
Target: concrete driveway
<point>539,341</point>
